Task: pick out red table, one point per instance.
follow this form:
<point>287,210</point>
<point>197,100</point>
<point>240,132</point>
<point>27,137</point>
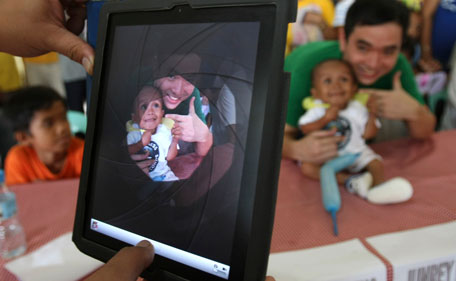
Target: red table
<point>430,165</point>
<point>47,209</point>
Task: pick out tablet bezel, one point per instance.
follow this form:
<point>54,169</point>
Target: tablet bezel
<point>256,208</point>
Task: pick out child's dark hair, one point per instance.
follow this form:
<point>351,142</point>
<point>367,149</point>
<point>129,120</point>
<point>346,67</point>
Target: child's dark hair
<point>314,69</point>
<point>22,104</point>
<point>156,91</point>
<point>375,12</point>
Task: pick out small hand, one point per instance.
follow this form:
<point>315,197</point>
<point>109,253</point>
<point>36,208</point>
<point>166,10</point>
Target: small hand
<point>142,161</point>
<point>332,113</point>
<point>146,137</point>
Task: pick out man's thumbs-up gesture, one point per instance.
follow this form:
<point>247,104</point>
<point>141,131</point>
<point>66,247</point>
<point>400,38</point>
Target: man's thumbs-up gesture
<point>397,104</point>
<point>393,104</point>
<point>189,127</point>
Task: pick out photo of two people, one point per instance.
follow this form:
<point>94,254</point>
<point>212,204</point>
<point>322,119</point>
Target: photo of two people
<point>176,109</point>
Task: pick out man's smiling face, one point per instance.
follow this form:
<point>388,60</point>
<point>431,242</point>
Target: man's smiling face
<point>175,89</point>
<point>372,50</point>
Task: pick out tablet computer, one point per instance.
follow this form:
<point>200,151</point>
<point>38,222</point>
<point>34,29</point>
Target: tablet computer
<point>184,137</point>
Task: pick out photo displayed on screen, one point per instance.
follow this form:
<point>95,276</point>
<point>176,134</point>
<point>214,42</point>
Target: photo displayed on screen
<point>175,111</point>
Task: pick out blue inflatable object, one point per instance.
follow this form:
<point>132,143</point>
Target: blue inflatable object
<point>329,187</point>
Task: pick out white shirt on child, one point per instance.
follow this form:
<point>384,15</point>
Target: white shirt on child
<point>351,123</point>
<point>158,147</point>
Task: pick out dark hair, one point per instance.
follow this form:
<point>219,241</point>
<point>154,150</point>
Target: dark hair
<point>408,47</point>
<point>157,93</point>
<point>375,12</point>
<point>352,72</point>
<point>22,104</point>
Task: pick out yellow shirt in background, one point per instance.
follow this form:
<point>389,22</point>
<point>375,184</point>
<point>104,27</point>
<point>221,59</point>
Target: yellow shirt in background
<point>51,57</point>
<point>327,9</point>
<point>9,75</point>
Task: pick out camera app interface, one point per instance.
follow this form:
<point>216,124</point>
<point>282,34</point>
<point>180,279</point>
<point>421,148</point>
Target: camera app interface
<point>171,144</point>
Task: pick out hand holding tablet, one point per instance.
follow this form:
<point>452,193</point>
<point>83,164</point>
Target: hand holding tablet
<point>128,264</point>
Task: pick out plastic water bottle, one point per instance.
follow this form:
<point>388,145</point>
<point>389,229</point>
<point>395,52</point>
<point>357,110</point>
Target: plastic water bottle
<point>12,236</point>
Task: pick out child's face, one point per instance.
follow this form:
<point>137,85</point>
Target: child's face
<point>148,109</point>
<point>50,130</point>
<point>333,83</point>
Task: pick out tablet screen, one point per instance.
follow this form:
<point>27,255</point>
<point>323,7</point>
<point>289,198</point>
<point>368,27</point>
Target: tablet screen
<point>173,113</point>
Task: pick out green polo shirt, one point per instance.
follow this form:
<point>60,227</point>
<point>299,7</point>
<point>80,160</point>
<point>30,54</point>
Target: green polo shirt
<point>303,59</point>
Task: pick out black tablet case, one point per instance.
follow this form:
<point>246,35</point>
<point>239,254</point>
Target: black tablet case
<point>270,139</point>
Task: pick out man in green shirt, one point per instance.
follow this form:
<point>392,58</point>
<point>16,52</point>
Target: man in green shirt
<point>371,43</point>
<point>182,104</point>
